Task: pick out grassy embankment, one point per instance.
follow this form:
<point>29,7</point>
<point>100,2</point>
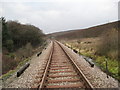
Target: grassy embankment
<point>19,42</point>
<point>100,61</point>
<point>20,63</point>
<point>11,72</point>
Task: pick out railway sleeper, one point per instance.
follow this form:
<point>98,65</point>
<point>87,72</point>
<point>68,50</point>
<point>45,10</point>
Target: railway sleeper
<point>59,68</point>
<point>66,75</point>
<point>78,85</point>
<point>61,71</point>
<point>63,80</point>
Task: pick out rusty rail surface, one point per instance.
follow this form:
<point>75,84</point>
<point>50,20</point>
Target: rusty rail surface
<point>47,66</point>
<point>54,67</point>
<point>89,85</point>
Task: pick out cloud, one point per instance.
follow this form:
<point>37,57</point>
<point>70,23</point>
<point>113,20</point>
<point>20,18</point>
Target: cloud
<point>60,15</point>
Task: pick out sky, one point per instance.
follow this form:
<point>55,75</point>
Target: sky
<point>60,15</point>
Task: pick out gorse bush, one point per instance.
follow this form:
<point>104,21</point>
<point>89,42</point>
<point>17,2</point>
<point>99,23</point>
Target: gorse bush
<point>9,45</point>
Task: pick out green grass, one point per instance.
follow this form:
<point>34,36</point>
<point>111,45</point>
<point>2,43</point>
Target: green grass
<point>7,75</point>
<point>23,62</point>
<point>101,62</point>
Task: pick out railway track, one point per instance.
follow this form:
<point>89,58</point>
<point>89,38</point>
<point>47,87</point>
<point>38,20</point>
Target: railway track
<point>62,72</point>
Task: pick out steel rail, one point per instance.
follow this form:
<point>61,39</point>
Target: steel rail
<point>46,69</point>
<point>77,69</point>
<point>89,85</point>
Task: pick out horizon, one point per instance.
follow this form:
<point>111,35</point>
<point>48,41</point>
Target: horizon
<point>57,16</point>
<point>84,28</point>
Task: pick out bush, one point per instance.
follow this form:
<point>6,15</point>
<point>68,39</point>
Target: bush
<point>9,45</point>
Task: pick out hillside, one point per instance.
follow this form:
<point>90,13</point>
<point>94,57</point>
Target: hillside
<point>99,43</point>
<point>19,42</point>
<point>85,33</point>
<point>102,39</point>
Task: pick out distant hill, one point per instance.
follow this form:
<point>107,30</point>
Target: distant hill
<point>85,33</point>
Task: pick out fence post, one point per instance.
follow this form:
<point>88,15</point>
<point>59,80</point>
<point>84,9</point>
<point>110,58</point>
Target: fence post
<point>106,67</point>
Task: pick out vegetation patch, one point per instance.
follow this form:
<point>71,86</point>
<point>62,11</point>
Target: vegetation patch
<point>100,61</point>
<point>19,41</point>
<point>112,65</point>
<point>11,72</point>
<point>7,75</point>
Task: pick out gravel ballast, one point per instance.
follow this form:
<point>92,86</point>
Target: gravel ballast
<point>97,77</point>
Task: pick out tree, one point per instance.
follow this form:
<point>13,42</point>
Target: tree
<point>7,42</point>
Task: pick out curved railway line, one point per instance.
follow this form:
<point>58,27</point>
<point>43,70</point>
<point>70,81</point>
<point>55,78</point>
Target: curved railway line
<point>61,71</point>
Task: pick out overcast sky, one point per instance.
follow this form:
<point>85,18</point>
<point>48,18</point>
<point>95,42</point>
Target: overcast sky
<point>60,15</point>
